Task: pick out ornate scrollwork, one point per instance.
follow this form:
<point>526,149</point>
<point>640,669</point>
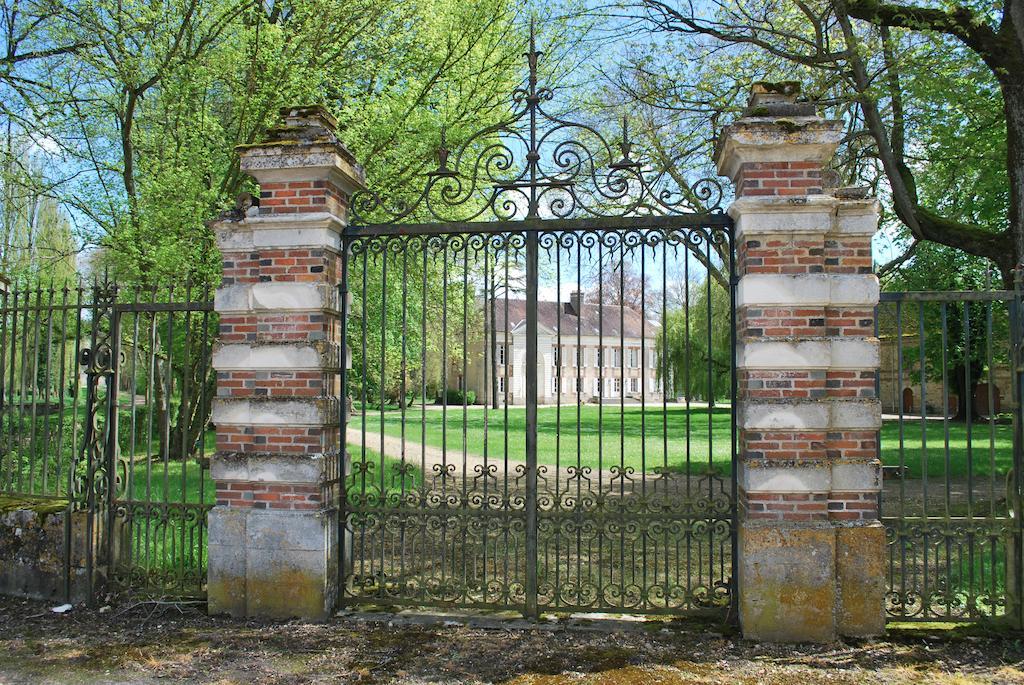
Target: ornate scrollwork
<point>538,165</point>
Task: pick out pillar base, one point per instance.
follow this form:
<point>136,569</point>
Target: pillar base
<point>787,581</point>
<point>270,563</point>
<point>860,576</point>
<point>811,582</point>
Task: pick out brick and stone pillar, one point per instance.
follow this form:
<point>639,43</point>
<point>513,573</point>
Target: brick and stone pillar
<point>811,547</point>
<point>272,547</point>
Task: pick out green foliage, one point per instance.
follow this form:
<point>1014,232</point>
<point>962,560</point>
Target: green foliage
<point>455,397</point>
<point>697,344</point>
<point>144,108</point>
<point>962,344</point>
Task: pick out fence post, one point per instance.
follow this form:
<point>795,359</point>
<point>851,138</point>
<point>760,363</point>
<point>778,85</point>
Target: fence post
<point>272,541</point>
<point>810,548</point>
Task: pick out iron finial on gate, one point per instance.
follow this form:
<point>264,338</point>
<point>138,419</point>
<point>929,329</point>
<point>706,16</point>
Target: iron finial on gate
<point>532,58</point>
<point>442,157</point>
<point>625,147</point>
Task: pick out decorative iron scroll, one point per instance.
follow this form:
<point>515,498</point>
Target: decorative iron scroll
<point>536,165</point>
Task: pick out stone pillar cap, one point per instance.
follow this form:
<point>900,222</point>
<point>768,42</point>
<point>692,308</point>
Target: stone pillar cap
<point>776,128</point>
<point>304,146</point>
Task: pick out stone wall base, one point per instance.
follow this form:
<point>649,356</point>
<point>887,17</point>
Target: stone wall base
<point>270,563</point>
<point>32,553</point>
<point>808,582</point>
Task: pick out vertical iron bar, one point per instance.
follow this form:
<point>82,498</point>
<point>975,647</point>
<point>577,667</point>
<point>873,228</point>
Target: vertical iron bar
<point>733,436</point>
<point>532,277</point>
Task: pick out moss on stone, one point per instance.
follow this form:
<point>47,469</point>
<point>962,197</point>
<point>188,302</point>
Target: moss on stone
<point>788,125</point>
<point>40,505</point>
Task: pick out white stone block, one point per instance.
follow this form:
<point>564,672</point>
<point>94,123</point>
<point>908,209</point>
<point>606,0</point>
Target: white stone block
<point>855,414</point>
<point>819,415</point>
<point>782,222</point>
<point>242,356</point>
<point>246,412</point>
<point>828,353</point>
<point>854,353</point>
<point>751,140</point>
<point>807,290</point>
<point>823,215</point>
<point>270,297</point>
<point>857,217</point>
<point>270,468</point>
<point>320,230</point>
<point>806,477</point>
<point>857,476</point>
<point>775,354</point>
<point>767,416</point>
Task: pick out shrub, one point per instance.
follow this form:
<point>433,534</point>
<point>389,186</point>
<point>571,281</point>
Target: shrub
<point>455,396</point>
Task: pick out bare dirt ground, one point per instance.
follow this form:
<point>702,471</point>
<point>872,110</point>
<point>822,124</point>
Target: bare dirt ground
<point>146,643</point>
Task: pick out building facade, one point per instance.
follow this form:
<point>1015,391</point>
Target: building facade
<point>586,352</point>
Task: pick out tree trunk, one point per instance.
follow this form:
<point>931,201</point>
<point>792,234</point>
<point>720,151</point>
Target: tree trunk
<point>965,404</point>
<point>1013,106</point>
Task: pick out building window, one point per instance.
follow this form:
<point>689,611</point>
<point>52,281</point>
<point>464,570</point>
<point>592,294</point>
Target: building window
<point>501,385</point>
<point>579,385</point>
<point>501,355</point>
<point>634,358</point>
<point>556,356</point>
<point>554,385</point>
<point>634,385</point>
<point>618,386</point>
<point>579,357</point>
<point>597,387</point>
<point>617,357</point>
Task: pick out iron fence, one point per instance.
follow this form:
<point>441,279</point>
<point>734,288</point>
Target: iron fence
<point>104,406</point>
<point>951,452</point>
<point>540,421</point>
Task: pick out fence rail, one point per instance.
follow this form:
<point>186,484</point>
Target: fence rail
<point>950,445</point>
<point>104,404</point>
<point>515,446</point>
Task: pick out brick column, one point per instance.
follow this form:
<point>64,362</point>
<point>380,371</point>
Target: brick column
<point>272,548</point>
<point>811,547</point>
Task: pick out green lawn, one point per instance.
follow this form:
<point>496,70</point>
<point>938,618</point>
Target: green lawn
<point>991,448</point>
<point>603,433</point>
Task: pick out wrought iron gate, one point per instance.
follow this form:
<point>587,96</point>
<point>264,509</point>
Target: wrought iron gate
<point>104,401</point>
<point>951,448</point>
<point>540,414</point>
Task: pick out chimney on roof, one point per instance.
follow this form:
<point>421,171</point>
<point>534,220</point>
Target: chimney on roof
<point>575,304</point>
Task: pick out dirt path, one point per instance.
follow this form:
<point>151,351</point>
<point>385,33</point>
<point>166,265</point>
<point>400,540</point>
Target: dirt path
<point>162,644</point>
<point>430,457</point>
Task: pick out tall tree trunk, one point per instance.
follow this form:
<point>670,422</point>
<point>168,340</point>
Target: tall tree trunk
<point>1013,107</point>
<point>965,404</point>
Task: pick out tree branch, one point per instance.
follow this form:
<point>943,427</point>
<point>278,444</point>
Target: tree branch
<point>960,22</point>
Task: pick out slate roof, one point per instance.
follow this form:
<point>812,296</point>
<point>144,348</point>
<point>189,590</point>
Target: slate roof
<point>590,322</point>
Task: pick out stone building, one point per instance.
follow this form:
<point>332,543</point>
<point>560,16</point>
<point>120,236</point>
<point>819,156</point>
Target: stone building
<point>893,387</point>
<point>607,351</point>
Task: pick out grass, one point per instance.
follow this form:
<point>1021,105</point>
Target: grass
<point>604,434</point>
<point>639,434</point>
<point>920,452</point>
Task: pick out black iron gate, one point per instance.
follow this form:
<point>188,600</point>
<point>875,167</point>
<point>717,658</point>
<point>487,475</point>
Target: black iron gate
<point>104,404</point>
<point>951,449</point>
<point>540,406</point>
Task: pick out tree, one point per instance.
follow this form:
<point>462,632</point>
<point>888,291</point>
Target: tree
<point>962,341</point>
<point>36,233</point>
<point>900,76</point>
<point>696,347</point>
